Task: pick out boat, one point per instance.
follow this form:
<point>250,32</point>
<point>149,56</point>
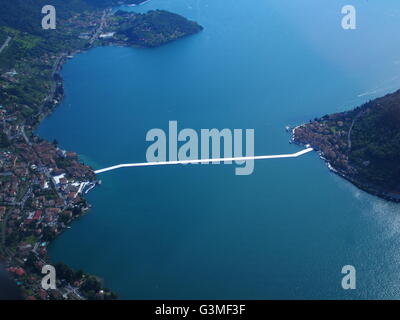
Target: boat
<point>137,4</point>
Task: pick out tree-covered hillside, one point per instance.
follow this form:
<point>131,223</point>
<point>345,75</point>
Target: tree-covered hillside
<point>26,62</point>
<point>376,142</point>
<point>362,145</point>
<point>25,15</point>
<point>154,28</point>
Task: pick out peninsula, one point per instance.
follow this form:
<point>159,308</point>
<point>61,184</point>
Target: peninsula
<point>152,29</point>
<point>361,145</point>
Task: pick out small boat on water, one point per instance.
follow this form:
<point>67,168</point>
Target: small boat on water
<point>137,4</point>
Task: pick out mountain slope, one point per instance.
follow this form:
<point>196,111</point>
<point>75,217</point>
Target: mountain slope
<point>362,145</point>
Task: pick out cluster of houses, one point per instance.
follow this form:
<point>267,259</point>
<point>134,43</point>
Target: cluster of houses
<point>40,184</point>
<point>40,187</point>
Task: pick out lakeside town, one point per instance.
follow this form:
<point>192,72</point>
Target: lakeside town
<point>359,145</point>
<point>41,185</point>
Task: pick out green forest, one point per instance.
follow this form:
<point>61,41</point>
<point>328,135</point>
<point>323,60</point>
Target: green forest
<point>154,28</point>
<point>376,142</point>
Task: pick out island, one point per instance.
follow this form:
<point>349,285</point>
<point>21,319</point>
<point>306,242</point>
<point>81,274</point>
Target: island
<point>361,145</point>
<point>42,186</point>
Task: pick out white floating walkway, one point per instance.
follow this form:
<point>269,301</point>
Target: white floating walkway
<point>146,164</point>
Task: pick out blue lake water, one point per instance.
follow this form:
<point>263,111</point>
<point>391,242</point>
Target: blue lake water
<point>200,231</point>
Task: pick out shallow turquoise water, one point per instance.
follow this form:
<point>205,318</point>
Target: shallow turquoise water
<point>200,231</point>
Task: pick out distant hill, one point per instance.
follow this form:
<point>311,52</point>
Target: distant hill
<point>363,145</point>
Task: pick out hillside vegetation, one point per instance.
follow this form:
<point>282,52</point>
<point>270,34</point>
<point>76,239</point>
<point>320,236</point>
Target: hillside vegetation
<point>375,140</point>
<point>362,145</point>
<point>154,28</point>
